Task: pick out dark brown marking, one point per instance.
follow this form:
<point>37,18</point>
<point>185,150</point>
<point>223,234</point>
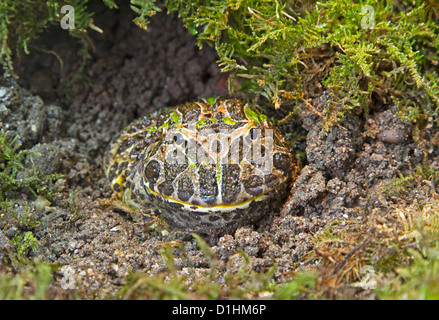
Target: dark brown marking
<point>116,187</point>
<point>176,206</point>
<point>112,172</point>
<point>152,171</point>
<point>122,167</point>
<point>185,189</point>
<point>226,216</point>
<point>138,149</point>
<point>271,180</point>
<point>238,215</point>
<point>174,165</point>
<point>253,133</point>
<point>208,184</point>
<point>214,218</point>
<point>253,185</point>
<point>194,216</point>
<point>206,224</point>
<point>185,217</point>
<point>231,186</point>
<point>166,189</point>
<point>190,113</point>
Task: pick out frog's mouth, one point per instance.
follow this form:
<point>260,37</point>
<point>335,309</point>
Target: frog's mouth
<point>205,208</point>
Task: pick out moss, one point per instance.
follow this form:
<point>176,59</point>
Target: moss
<point>398,185</point>
<point>11,162</point>
<point>303,285</point>
<point>391,254</point>
<point>24,242</point>
<point>289,51</point>
<point>418,279</point>
<point>32,283</point>
<point>25,219</point>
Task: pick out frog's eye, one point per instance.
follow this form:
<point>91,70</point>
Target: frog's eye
<point>178,138</point>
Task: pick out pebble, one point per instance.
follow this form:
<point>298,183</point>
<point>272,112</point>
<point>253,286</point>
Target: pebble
<point>4,112</point>
<point>41,202</point>
<point>392,136</point>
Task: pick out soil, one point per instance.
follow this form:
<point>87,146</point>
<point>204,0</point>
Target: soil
<point>132,72</point>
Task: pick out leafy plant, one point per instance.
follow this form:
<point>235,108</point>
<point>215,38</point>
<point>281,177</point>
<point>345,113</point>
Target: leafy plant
<point>24,242</point>
<point>287,51</point>
<point>11,162</point>
<point>32,283</point>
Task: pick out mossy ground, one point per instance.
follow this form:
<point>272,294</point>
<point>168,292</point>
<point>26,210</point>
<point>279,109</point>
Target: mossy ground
<point>362,219</point>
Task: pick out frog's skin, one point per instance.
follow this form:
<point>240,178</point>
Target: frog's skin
<point>195,163</point>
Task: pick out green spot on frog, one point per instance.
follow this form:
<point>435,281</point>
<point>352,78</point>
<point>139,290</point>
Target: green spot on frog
<point>175,118</point>
<point>203,122</point>
<point>229,121</point>
<point>212,100</point>
<point>219,172</point>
